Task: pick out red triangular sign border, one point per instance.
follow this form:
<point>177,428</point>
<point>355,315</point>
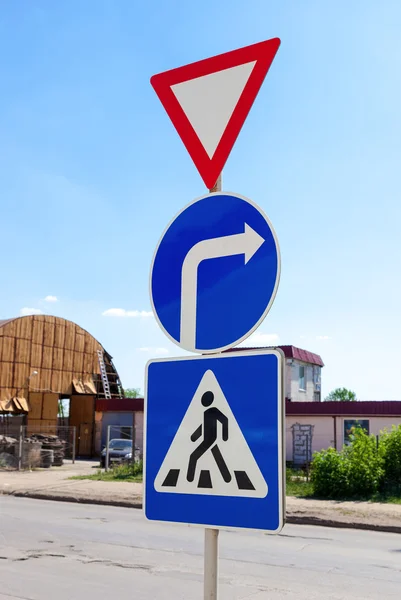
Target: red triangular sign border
<point>210,168</point>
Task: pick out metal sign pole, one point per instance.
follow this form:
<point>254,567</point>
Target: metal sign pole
<point>211,564</point>
<point>74,444</point>
<point>133,437</point>
<point>211,558</point>
<point>107,448</point>
<point>20,447</point>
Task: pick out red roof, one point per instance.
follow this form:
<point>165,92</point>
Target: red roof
<point>338,409</point>
<point>334,409</point>
<point>289,352</point>
<point>119,405</point>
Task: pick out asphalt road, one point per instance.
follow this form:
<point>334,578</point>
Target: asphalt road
<point>60,551</point>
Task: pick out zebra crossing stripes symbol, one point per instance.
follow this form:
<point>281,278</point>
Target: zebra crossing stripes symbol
<point>209,454</point>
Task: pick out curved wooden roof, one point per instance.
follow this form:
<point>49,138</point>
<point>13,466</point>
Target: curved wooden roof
<point>5,321</point>
<point>62,353</point>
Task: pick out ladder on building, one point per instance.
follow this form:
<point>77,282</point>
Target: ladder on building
<point>103,374</point>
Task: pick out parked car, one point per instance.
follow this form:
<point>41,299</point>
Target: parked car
<point>120,451</point>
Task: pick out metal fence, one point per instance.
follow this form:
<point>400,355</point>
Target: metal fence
<point>31,447</point>
<point>120,442</point>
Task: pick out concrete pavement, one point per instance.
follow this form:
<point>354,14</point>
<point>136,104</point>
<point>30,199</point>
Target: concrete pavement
<point>68,551</point>
<point>55,484</point>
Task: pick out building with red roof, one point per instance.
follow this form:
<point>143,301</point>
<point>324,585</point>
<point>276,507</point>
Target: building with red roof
<point>302,373</point>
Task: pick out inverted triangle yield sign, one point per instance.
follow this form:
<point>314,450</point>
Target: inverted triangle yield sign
<point>209,100</point>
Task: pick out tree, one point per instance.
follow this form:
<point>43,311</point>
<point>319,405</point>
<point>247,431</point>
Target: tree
<point>341,395</point>
<point>132,393</point>
<point>63,408</point>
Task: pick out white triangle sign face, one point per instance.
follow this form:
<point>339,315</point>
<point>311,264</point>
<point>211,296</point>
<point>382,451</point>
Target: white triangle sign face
<point>209,454</point>
<point>209,102</point>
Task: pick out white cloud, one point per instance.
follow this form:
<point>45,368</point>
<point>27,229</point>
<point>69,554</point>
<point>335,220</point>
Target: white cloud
<point>261,339</point>
<point>150,350</point>
<point>121,312</point>
<point>323,337</point>
<point>24,312</point>
<point>51,299</point>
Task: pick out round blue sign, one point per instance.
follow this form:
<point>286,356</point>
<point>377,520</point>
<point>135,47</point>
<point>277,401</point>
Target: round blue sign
<point>215,273</point>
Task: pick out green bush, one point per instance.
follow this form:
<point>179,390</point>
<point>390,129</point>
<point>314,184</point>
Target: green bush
<point>329,473</point>
<point>356,471</point>
<point>391,445</point>
<point>364,459</point>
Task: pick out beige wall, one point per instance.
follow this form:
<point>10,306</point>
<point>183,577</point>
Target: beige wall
<point>323,433</point>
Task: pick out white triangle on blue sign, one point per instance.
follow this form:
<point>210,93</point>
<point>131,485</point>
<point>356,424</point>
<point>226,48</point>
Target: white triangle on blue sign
<point>209,454</point>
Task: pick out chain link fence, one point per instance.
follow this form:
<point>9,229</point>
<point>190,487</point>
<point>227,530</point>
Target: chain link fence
<point>31,447</point>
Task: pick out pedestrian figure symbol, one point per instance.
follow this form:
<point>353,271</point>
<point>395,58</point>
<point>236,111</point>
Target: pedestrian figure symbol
<point>211,416</point>
<point>221,463</point>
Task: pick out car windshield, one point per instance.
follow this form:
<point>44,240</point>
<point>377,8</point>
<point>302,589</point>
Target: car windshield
<point>120,444</point>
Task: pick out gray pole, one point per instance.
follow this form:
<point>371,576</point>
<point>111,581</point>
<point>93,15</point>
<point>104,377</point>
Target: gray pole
<point>211,559</point>
<point>21,437</point>
<point>133,437</point>
<point>107,448</point>
<point>211,564</point>
<point>74,441</point>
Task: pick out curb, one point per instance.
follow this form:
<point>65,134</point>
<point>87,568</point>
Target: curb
<point>291,519</point>
<point>317,521</point>
<point>74,499</point>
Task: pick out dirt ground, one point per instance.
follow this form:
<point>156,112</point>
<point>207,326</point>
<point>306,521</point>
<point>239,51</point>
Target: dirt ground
<point>362,515</point>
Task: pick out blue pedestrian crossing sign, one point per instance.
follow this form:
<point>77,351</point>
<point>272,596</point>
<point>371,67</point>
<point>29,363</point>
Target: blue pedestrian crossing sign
<point>212,457</point>
<point>215,273</point>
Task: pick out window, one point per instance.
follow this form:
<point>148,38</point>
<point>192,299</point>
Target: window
<point>120,443</point>
<point>350,426</point>
<point>316,378</point>
<point>125,433</point>
<point>302,382</point>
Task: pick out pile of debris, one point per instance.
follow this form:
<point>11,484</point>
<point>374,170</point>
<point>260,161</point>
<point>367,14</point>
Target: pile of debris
<point>54,443</point>
<point>37,450</point>
<point>8,453</point>
<point>7,443</point>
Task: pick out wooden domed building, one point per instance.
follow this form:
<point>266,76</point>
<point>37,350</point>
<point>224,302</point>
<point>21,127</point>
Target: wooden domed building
<point>45,359</point>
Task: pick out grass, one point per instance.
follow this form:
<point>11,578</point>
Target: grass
<point>390,497</point>
<point>118,473</point>
<point>297,485</point>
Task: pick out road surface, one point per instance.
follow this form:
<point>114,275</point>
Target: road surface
<point>62,551</point>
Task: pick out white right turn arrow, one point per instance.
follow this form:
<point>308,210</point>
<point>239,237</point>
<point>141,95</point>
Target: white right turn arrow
<point>247,243</point>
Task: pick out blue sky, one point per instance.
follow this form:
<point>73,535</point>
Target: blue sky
<point>91,170</point>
